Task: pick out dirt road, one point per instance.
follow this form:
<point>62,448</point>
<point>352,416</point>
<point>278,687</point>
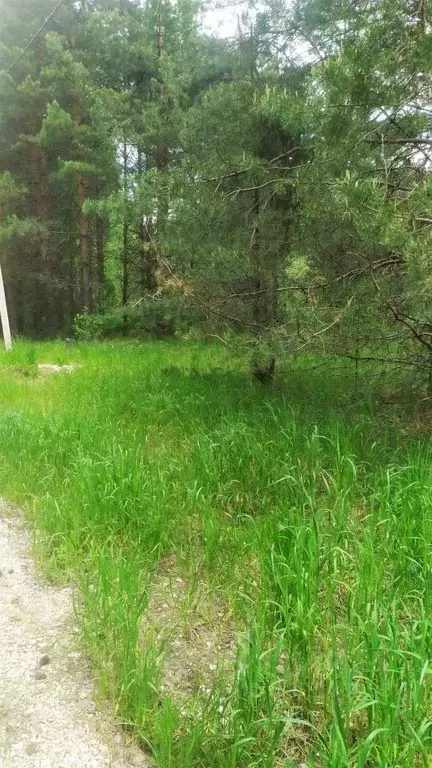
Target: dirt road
<point>48,718</point>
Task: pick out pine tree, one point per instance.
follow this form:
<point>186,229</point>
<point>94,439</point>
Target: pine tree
<point>49,124</point>
<point>278,183</point>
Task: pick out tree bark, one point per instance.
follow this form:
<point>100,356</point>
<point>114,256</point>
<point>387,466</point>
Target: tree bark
<point>147,256</point>
<point>264,310</point>
<point>162,151</point>
<point>422,15</point>
<point>125,264</point>
<point>261,297</point>
<point>125,258</point>
<point>429,379</point>
<point>48,309</point>
<point>100,259</point>
<point>72,291</point>
<point>41,201</point>
<point>148,260</point>
<point>85,248</point>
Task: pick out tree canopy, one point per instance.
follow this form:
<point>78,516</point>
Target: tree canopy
<point>156,178</point>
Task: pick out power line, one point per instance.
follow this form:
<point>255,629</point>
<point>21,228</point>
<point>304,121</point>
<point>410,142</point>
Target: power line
<point>32,40</point>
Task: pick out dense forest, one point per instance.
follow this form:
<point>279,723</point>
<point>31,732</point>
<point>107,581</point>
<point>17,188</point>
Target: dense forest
<point>157,179</point>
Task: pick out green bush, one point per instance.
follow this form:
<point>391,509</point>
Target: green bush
<point>152,318</point>
<point>89,327</point>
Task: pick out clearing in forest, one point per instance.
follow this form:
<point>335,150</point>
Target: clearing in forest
<point>253,563</point>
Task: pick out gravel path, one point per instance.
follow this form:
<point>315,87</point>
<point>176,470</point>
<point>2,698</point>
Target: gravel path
<point>47,715</point>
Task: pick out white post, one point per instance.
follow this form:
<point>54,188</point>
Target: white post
<point>4,315</point>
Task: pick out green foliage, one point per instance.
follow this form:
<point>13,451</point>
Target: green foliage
<point>153,318</point>
<point>299,511</point>
<point>138,150</point>
<point>159,182</point>
<point>89,327</point>
<point>57,127</point>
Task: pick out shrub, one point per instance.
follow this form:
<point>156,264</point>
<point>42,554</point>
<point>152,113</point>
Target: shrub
<point>152,318</point>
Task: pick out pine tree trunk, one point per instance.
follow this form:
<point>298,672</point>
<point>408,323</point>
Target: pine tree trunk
<point>47,298</point>
<point>263,365</point>
<point>422,15</point>
<point>260,297</point>
<point>265,306</point>
<point>265,276</point>
<point>429,380</point>
<point>125,260</point>
<point>125,275</point>
<point>100,259</point>
<point>72,302</point>
<point>148,260</point>
<point>41,201</point>
<point>162,153</point>
<point>85,248</point>
<point>147,256</point>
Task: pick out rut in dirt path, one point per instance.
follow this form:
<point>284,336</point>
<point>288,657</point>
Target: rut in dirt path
<point>47,715</point>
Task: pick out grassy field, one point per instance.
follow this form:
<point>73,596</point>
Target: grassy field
<point>255,563</point>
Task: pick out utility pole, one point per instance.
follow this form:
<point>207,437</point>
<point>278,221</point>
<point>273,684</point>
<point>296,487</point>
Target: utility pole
<point>4,315</point>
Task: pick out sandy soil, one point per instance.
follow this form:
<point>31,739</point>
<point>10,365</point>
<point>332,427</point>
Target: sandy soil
<point>48,718</point>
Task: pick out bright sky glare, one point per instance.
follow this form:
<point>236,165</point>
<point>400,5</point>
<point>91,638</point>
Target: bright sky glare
<point>222,21</point>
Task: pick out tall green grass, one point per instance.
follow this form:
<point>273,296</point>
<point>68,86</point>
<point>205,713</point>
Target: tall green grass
<point>305,511</point>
